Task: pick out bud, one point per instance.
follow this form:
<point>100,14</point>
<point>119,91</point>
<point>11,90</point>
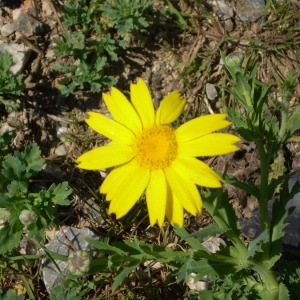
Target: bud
<point>234,59</point>
<point>79,262</point>
<point>27,217</point>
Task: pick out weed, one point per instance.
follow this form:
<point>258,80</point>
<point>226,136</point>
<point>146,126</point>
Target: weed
<point>10,85</point>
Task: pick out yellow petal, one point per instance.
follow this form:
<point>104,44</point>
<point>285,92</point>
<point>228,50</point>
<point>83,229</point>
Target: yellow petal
<point>170,108</point>
<point>105,157</point>
<point>128,190</point>
<point>156,196</point>
<point>198,127</point>
<point>114,178</point>
<point>122,111</point>
<point>197,171</point>
<point>174,209</point>
<point>142,101</point>
<point>110,128</point>
<point>209,145</point>
<point>184,190</point>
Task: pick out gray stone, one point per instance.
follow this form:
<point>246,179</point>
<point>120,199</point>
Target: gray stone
<point>225,10</point>
<point>50,273</point>
<point>211,91</point>
<point>250,10</point>
<point>8,29</point>
<point>20,55</point>
<point>251,226</point>
<point>28,25</point>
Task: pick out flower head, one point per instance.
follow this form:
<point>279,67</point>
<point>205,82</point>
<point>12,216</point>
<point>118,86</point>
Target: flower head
<point>79,262</point>
<point>27,217</point>
<point>151,156</point>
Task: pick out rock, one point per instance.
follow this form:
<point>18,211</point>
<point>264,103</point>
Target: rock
<point>28,25</point>
<point>51,275</point>
<point>226,11</point>
<point>60,150</point>
<point>291,239</point>
<point>250,10</point>
<point>211,92</point>
<point>8,29</point>
<point>20,55</point>
<point>5,127</point>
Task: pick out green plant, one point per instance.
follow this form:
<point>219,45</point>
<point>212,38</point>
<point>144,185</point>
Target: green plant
<point>88,46</point>
<point>10,295</point>
<point>239,270</point>
<point>22,208</point>
<point>11,85</point>
<point>128,17</point>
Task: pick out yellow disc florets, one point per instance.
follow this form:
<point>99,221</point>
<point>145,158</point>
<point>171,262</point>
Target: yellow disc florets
<point>156,147</point>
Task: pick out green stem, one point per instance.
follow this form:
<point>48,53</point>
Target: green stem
<point>282,130</point>
<point>263,201</point>
<point>268,279</point>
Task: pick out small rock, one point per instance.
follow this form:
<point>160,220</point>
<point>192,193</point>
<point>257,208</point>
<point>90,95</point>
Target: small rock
<point>225,10</point>
<point>28,25</point>
<point>51,275</point>
<point>8,29</point>
<point>5,127</point>
<point>20,55</point>
<point>250,10</point>
<point>60,150</point>
<point>211,92</point>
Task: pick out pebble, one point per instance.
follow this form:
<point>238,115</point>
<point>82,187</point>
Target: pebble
<point>8,29</point>
<point>250,10</point>
<point>20,55</point>
<point>24,23</point>
<point>211,92</point>
<point>28,25</point>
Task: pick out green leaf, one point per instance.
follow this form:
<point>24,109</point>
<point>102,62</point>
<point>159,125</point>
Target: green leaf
<point>60,193</point>
<point>216,202</point>
<point>255,246</point>
<point>279,214</point>
<point>10,295</point>
<point>192,241</point>
<point>248,187</point>
<point>293,122</point>
<point>283,292</point>
<point>13,168</point>
<point>105,247</point>
<point>24,164</point>
<point>31,157</point>
<point>59,292</point>
<point>124,273</point>
<point>10,238</point>
<point>209,231</point>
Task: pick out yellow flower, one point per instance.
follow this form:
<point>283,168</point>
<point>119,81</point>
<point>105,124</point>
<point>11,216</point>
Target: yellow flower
<point>151,156</point>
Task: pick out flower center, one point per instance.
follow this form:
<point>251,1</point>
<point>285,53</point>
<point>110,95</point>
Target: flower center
<point>156,147</point>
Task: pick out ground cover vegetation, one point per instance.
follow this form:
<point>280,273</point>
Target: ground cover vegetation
<point>152,178</point>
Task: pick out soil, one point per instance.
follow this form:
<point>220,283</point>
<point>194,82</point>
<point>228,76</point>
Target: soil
<point>168,59</point>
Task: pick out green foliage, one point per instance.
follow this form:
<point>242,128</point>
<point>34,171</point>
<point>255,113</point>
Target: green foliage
<point>127,16</point>
<point>88,43</point>
<point>36,210</point>
<point>10,85</point>
<point>10,295</point>
<point>5,140</point>
<point>126,256</point>
<point>59,292</point>
<point>235,286</point>
<point>289,272</point>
